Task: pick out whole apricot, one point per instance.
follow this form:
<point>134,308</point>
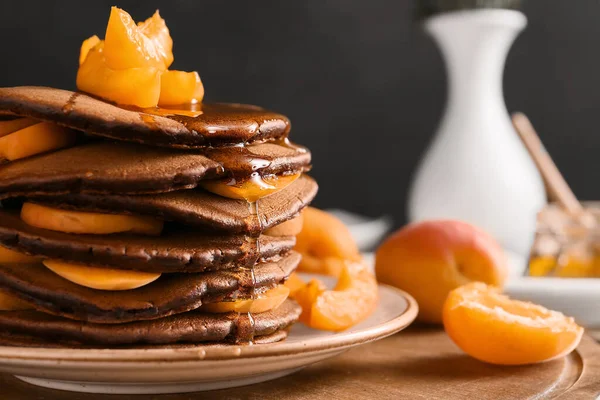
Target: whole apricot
<point>429,259</point>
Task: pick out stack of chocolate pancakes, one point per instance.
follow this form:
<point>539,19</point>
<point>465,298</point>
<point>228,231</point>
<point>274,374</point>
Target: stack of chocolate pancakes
<point>219,188</point>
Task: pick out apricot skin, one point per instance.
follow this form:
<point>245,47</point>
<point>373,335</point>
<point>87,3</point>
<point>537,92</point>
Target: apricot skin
<point>429,259</point>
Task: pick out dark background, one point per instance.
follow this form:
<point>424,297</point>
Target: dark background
<point>362,83</point>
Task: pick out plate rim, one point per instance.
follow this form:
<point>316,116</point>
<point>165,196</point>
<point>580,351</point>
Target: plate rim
<point>18,355</point>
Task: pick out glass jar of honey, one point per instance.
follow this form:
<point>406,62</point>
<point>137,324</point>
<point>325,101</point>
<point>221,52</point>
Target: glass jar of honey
<point>563,247</point>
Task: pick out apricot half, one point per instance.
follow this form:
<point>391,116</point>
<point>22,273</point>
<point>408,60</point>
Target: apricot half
<point>70,221</point>
<point>251,189</point>
<point>429,259</point>
<point>101,278</point>
<point>269,300</point>
<point>351,301</point>
<point>9,256</point>
<point>323,241</point>
<point>35,139</point>
<point>180,87</point>
<point>493,328</point>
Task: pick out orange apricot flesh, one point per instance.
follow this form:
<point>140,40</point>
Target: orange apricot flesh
<point>14,125</point>
<point>294,283</point>
<point>87,45</point>
<point>69,221</point>
<point>493,328</point>
<point>250,189</point>
<point>127,45</point>
<point>101,278</point>
<point>180,87</point>
<point>290,227</point>
<point>351,301</point>
<point>156,29</point>
<point>8,302</point>
<point>35,139</point>
<point>133,86</point>
<point>323,241</point>
<point>9,256</point>
<point>269,300</point>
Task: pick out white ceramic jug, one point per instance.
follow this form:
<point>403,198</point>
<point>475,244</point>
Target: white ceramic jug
<point>476,168</point>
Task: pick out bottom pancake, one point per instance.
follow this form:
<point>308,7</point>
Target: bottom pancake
<point>40,329</point>
<point>22,340</point>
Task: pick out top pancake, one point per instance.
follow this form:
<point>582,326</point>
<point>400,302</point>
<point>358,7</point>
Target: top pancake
<point>218,125</point>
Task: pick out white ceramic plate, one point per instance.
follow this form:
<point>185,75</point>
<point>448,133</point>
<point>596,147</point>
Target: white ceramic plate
<point>202,367</point>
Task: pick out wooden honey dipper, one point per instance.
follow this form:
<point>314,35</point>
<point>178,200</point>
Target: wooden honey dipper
<point>557,186</point>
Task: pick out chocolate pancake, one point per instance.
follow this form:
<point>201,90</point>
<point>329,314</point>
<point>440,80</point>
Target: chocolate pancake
<point>170,294</point>
<point>190,327</point>
<point>23,340</point>
<point>105,167</point>
<point>198,207</point>
<point>177,251</point>
<point>240,162</point>
<point>217,125</point>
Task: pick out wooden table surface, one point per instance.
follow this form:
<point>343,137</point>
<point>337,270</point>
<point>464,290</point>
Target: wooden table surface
<point>419,363</point>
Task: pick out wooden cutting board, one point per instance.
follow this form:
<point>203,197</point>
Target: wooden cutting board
<point>419,363</point>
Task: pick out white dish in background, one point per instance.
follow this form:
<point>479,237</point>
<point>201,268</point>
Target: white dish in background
<point>198,368</point>
<point>367,232</point>
<point>575,297</point>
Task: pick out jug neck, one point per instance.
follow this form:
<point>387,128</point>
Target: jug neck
<point>475,44</point>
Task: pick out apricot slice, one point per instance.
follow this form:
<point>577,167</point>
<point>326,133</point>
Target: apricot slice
<point>180,87</point>
<point>86,46</point>
<point>156,29</point>
<point>127,45</point>
<point>294,284</point>
<point>69,221</point>
<point>138,87</point>
<point>9,256</point>
<point>307,296</point>
<point>8,302</point>
<point>251,189</point>
<point>35,139</point>
<point>496,329</point>
<point>269,300</point>
<point>14,125</point>
<point>323,241</point>
<point>101,278</point>
<point>291,227</point>
<point>351,301</point>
